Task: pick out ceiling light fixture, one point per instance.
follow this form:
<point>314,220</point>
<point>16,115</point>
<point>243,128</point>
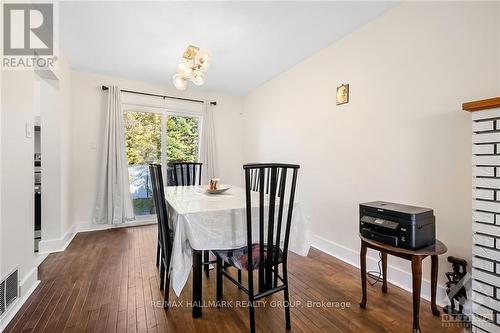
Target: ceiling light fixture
<point>194,64</point>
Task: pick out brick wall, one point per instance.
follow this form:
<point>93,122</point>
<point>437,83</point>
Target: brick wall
<point>486,217</point>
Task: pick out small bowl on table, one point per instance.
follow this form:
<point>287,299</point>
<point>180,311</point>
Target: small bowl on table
<point>219,190</point>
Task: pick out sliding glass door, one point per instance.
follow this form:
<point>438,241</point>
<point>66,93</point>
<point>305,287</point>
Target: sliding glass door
<point>143,146</point>
<point>155,135</point>
<point>182,142</point>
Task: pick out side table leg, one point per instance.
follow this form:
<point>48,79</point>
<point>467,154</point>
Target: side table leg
<point>362,259</point>
<point>416,268</point>
<point>384,272</point>
<point>434,278</point>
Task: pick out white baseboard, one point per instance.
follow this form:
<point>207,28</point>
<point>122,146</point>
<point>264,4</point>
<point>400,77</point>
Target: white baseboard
<point>26,288</point>
<point>29,283</point>
<point>59,244</point>
<point>40,257</point>
<point>88,226</point>
<point>395,275</point>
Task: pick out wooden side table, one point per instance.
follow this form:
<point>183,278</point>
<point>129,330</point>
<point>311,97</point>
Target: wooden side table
<point>416,257</point>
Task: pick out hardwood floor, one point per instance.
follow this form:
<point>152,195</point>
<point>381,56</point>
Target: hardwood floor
<point>107,281</point>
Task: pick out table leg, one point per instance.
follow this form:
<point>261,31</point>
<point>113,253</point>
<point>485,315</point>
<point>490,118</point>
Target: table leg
<point>206,259</point>
<point>416,269</point>
<point>434,278</point>
<point>384,272</point>
<point>362,259</point>
<point>197,283</point>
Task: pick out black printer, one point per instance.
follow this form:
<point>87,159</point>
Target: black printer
<point>397,225</point>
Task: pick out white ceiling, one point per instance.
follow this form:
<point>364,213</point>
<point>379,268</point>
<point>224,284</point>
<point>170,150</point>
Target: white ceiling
<point>250,42</point>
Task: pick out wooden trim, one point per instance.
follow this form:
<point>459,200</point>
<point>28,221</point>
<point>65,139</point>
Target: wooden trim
<point>483,104</point>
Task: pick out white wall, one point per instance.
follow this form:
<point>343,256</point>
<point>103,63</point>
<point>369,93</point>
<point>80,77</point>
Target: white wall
<point>498,45</point>
<point>64,75</point>
<point>401,138</point>
<point>55,113</point>
<point>21,99</point>
<point>88,104</point>
<point>50,121</point>
<point>17,177</point>
<point>1,159</point>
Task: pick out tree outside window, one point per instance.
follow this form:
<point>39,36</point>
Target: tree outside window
<point>143,141</point>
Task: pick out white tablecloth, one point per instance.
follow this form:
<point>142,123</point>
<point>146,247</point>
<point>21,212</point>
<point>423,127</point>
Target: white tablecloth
<point>204,221</point>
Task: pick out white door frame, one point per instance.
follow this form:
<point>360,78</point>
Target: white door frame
<point>164,112</point>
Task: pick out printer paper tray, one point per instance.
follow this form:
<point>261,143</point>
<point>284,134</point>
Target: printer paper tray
<point>380,237</point>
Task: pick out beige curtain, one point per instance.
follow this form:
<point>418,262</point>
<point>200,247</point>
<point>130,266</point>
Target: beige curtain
<point>208,152</point>
<point>114,202</point>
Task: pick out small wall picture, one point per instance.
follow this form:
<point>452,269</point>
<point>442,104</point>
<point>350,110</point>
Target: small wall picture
<point>343,94</point>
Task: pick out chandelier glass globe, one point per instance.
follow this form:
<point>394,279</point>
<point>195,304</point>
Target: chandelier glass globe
<point>179,81</point>
<point>199,79</point>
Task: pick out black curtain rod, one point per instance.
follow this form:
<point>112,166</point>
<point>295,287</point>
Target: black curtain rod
<point>163,96</point>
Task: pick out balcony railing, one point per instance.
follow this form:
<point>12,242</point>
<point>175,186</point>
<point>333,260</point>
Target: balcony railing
<point>141,189</point>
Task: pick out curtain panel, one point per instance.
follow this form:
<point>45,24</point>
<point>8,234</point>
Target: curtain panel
<point>208,152</point>
<point>113,202</point>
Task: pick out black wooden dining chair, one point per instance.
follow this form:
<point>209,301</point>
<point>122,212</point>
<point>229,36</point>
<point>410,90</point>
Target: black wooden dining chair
<point>153,176</point>
<point>255,180</point>
<point>189,174</point>
<point>271,248</point>
<point>165,236</point>
<point>152,173</point>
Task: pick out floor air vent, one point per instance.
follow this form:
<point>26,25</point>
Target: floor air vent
<point>9,291</point>
<point>2,297</point>
<point>11,288</point>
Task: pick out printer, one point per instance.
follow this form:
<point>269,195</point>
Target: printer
<point>398,225</point>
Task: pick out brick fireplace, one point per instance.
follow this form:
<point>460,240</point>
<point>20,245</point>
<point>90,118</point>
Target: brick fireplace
<point>485,214</point>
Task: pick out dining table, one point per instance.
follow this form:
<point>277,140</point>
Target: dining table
<point>202,222</point>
